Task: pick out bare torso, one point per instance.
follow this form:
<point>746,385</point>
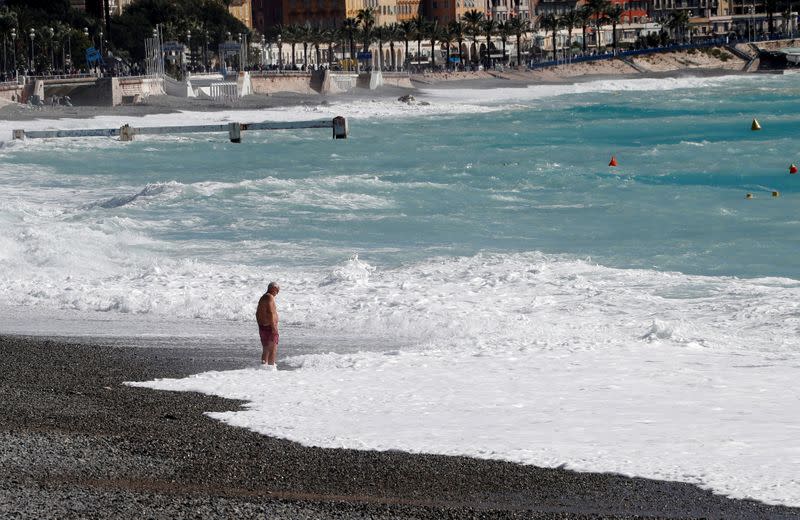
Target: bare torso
<point>266,313</point>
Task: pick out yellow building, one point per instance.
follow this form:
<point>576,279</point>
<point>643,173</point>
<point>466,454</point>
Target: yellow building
<point>408,9</point>
<point>329,13</point>
<point>243,10</point>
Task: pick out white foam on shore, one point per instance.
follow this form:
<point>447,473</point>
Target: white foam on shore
<point>549,90</point>
<point>546,361</point>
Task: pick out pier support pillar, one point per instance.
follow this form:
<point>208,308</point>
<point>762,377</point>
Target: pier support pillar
<point>126,133</point>
<point>340,129</point>
<point>19,134</point>
<point>235,132</point>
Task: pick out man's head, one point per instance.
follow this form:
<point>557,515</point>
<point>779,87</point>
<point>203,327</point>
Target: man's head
<point>273,288</point>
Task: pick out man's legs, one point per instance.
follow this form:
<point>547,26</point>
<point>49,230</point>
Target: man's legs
<point>268,351</point>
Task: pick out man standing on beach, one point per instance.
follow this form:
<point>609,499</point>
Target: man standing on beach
<point>267,318</point>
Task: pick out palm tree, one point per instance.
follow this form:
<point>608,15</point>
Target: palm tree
<point>570,20</point>
<point>474,21</point>
<point>678,21</point>
<point>420,28</point>
<point>504,29</point>
<point>457,30</point>
<point>392,33</point>
<point>446,38</point>
<point>291,35</point>
<point>407,28</point>
<point>584,18</point>
<point>329,36</point>
<point>305,35</point>
<point>551,22</point>
<point>8,21</point>
<point>518,27</point>
<point>317,36</point>
<point>366,18</point>
<point>349,27</point>
<point>598,9</point>
<point>489,27</point>
<point>434,32</point>
<point>614,15</point>
<point>380,35</point>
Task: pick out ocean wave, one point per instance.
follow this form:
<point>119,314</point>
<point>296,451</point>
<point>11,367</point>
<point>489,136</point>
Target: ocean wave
<point>503,301</point>
<point>535,92</point>
<point>150,190</point>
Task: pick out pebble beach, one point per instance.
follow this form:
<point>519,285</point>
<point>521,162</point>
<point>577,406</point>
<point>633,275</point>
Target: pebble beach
<point>77,443</point>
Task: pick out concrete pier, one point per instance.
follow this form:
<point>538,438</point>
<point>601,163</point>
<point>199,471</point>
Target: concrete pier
<point>234,130</point>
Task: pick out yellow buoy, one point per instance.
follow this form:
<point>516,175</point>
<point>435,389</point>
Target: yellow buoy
<point>755,125</point>
<point>749,196</point>
<point>776,194</point>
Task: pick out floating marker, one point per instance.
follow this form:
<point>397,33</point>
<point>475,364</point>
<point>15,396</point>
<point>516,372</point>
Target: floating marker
<point>613,161</point>
<point>755,125</point>
<point>749,196</point>
<point>793,169</point>
<point>776,194</point>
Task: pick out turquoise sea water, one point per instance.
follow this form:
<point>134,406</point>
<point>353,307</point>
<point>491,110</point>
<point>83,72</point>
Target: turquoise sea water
<point>495,172</point>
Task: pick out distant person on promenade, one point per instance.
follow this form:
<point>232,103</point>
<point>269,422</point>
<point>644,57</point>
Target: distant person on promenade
<point>267,318</point>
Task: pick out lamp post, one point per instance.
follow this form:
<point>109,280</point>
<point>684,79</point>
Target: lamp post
<point>32,34</point>
<point>241,53</point>
<point>66,57</point>
<point>101,42</point>
<point>14,49</point>
<point>189,42</point>
<point>280,53</point>
<point>205,51</point>
<point>263,51</point>
<point>52,36</point>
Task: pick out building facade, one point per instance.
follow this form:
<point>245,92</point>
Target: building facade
<point>324,13</point>
<point>267,14</point>
<point>408,9</point>
<point>661,9</point>
<point>243,11</point>
<point>97,8</point>
<point>331,13</point>
<point>557,7</point>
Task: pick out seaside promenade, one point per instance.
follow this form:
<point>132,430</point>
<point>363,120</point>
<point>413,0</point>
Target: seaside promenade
<point>90,90</point>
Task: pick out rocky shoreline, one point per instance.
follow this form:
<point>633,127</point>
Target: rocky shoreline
<point>76,443</point>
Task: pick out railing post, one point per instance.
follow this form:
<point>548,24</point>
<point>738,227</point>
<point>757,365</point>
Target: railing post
<point>235,132</point>
<point>126,133</point>
<point>340,128</point>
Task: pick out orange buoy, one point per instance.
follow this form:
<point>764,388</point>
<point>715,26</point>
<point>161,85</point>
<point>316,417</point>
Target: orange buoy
<point>793,169</point>
<point>749,196</point>
<point>776,194</point>
<point>613,161</point>
<point>755,125</point>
